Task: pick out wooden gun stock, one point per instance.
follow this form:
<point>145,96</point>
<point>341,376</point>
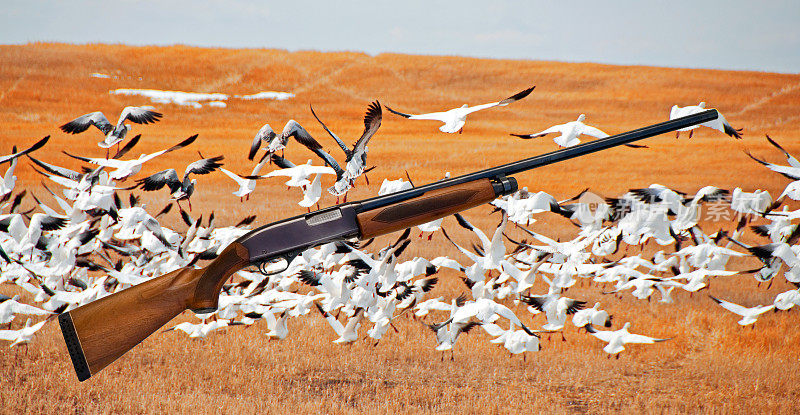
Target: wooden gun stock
<point>100,332</point>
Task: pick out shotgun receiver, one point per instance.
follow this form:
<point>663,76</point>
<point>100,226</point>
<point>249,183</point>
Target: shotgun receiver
<point>98,333</point>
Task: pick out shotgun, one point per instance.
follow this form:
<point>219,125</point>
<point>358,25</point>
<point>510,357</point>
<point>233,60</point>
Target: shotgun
<point>98,333</point>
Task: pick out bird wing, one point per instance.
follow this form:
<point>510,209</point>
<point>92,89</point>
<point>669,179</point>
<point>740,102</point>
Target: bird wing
<point>266,133</point>
<point>553,129</point>
<point>34,147</point>
<point>338,140</point>
<point>139,115</point>
<point>516,97</point>
<point>592,131</point>
<point>788,171</point>
<point>439,116</point>
<point>178,146</point>
<point>21,308</point>
<point>638,338</point>
<point>312,144</point>
<point>111,163</point>
<point>128,147</point>
<point>281,162</point>
<point>734,308</point>
<point>372,121</point>
<point>58,171</point>
<point>605,335</point>
<point>203,166</point>
<point>238,179</point>
<point>156,181</point>
<point>792,161</point>
<point>82,123</point>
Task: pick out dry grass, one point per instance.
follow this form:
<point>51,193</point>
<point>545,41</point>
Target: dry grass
<point>710,365</point>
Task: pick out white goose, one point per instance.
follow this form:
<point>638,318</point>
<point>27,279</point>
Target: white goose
<point>455,118</point>
<point>617,339</point>
<point>720,123</point>
<point>246,186</point>
<point>570,133</point>
<point>127,168</point>
<point>749,315</point>
<point>114,134</point>
<point>23,335</point>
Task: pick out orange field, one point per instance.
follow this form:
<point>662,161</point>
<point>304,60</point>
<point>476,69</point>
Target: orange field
<point>709,365</point>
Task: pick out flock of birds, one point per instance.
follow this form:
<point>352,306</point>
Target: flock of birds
<point>97,240</point>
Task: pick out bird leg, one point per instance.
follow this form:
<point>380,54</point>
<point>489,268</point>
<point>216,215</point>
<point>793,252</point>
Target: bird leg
<point>189,201</point>
<point>248,196</point>
<point>430,236</point>
<point>106,154</point>
<point>677,134</point>
<point>690,133</point>
<point>460,130</point>
<point>563,339</point>
<point>618,355</point>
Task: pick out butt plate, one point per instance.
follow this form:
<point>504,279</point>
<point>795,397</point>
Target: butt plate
<point>74,346</point>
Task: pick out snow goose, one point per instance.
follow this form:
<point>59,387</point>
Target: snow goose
<point>749,315</point>
<point>23,335</point>
<point>11,307</point>
<point>265,134</point>
<point>126,168</point>
<point>355,158</point>
<point>455,118</point>
<point>569,133</point>
<point>246,186</point>
<point>720,123</point>
<point>180,189</point>
<point>594,316</point>
<point>617,339</point>
<point>347,333</point>
<point>114,134</point>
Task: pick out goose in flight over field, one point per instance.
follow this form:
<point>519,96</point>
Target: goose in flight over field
<point>127,168</point>
<point>246,185</point>
<point>8,180</point>
<point>617,339</point>
<point>355,158</point>
<point>455,118</point>
<point>792,171</point>
<point>114,133</point>
<point>720,123</point>
<point>749,315</point>
<point>277,142</point>
<point>570,133</point>
<point>180,189</point>
<point>23,335</point>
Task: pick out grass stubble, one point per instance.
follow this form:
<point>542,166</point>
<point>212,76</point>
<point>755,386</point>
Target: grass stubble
<point>710,365</point>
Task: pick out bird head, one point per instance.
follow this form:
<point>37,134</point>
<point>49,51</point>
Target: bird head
<point>581,117</point>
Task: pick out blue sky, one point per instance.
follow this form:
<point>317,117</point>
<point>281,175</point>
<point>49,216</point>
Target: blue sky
<point>733,34</point>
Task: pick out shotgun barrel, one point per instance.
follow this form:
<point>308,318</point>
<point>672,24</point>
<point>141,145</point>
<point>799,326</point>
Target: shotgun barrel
<point>100,332</point>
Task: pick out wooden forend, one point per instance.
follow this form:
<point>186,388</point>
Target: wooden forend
<point>430,206</point>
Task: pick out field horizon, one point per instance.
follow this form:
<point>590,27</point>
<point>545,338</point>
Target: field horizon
<point>709,365</point>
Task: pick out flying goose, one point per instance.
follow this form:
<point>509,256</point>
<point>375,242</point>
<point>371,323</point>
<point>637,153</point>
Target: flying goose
<point>455,118</point>
<point>114,133</point>
<point>180,189</point>
<point>720,123</point>
<point>127,168</point>
<point>570,133</point>
<point>617,339</point>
